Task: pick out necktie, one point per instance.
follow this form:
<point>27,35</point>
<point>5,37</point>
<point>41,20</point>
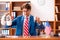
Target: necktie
<point>26,29</point>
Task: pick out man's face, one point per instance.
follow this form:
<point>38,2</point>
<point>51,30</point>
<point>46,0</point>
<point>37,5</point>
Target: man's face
<point>26,12</point>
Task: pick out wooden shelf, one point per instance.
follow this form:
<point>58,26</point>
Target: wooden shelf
<point>17,10</point>
<point>57,29</point>
<point>58,13</point>
<point>11,30</point>
<point>58,21</point>
<point>5,28</point>
<point>4,10</point>
<point>48,21</point>
<point>57,4</point>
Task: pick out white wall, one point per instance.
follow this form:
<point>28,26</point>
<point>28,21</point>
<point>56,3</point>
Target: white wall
<point>45,12</point>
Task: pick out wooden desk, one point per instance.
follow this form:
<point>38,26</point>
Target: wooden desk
<point>31,38</point>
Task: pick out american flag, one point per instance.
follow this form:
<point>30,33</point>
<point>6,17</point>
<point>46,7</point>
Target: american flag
<point>47,28</point>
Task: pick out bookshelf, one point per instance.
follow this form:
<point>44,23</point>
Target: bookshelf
<point>7,31</point>
<point>16,7</point>
<point>4,8</point>
<point>57,22</point>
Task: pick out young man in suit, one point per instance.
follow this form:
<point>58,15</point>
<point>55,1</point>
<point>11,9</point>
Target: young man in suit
<point>18,22</point>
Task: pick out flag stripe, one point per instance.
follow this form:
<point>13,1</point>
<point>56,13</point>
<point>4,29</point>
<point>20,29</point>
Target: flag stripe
<point>47,28</point>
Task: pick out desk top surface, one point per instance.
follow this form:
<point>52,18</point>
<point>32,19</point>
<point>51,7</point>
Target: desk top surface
<point>31,38</point>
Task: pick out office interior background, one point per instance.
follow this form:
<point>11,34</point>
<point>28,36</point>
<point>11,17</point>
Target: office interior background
<point>46,10</point>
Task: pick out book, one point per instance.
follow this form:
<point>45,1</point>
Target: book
<point>13,15</point>
<point>7,6</point>
<point>58,27</point>
<point>17,8</point>
<point>4,5</point>
<point>56,17</point>
<point>56,9</point>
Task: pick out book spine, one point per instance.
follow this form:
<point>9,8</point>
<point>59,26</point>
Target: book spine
<point>56,17</point>
<point>56,9</point>
<point>7,6</point>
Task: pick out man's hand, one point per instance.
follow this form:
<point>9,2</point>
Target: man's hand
<point>6,14</point>
<point>37,19</point>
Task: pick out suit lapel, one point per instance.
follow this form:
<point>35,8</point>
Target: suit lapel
<point>22,20</point>
<point>30,21</point>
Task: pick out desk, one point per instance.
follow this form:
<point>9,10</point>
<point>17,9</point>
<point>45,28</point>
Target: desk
<point>31,38</point>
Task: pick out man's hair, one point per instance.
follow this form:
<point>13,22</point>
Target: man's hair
<point>27,6</point>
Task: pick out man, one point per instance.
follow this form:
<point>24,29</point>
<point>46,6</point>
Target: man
<point>19,22</point>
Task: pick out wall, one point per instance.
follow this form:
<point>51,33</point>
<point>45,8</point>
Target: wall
<point>44,11</point>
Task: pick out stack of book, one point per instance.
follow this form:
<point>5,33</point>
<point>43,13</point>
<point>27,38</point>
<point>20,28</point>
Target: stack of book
<point>17,8</point>
<point>4,6</point>
<point>13,14</point>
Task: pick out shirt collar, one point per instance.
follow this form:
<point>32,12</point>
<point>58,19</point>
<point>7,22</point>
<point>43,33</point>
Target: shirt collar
<point>25,16</point>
